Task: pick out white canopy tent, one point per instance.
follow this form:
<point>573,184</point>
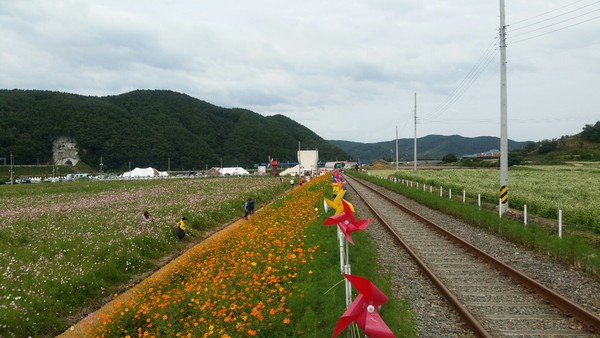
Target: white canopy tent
<point>145,172</point>
<point>233,171</point>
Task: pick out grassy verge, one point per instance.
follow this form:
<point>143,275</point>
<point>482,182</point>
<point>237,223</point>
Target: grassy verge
<point>572,249</point>
<point>323,302</point>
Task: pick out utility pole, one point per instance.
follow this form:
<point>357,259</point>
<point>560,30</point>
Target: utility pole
<point>11,168</point>
<point>415,147</point>
<point>503,117</point>
<point>396,148</point>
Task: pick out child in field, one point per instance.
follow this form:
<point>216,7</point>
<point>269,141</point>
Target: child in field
<point>146,218</point>
<point>181,228</point>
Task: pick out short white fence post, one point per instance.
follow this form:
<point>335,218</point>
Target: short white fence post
<point>559,223</point>
<point>525,214</point>
<point>431,188</point>
<point>450,193</point>
<point>500,207</point>
<point>479,200</point>
<point>464,196</point>
<point>441,189</point>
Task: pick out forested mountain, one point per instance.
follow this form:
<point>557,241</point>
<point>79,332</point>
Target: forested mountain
<point>428,147</point>
<point>148,128</point>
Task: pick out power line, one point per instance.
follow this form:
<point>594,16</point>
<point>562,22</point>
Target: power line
<point>556,30</point>
<point>484,60</point>
<point>542,14</point>
<point>527,35</point>
<point>556,23</point>
<point>559,15</point>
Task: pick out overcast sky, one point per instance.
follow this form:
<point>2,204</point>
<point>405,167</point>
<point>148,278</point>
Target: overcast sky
<point>348,70</point>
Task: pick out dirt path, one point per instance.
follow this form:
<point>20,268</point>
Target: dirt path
<point>210,236</point>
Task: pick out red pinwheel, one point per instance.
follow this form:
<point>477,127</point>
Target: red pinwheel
<point>337,175</point>
<point>346,221</point>
<point>363,310</point>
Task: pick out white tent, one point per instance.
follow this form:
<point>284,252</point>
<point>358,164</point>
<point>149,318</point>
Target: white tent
<point>307,162</point>
<point>145,172</point>
<point>233,171</point>
<point>293,171</point>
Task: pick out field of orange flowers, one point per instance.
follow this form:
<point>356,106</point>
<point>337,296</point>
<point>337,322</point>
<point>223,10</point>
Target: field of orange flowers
<point>236,286</point>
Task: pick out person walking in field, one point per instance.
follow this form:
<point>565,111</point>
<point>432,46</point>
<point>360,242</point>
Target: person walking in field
<point>249,207</point>
<point>292,183</point>
<point>251,203</point>
<point>181,228</point>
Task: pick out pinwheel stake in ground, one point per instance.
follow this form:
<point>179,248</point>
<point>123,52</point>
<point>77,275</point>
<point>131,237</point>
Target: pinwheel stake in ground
<point>347,224</point>
<point>363,310</point>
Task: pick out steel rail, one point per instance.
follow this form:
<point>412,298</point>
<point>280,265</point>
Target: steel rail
<point>467,316</point>
<point>567,306</point>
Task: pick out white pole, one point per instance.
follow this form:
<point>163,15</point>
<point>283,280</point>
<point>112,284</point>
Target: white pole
<point>479,200</point>
<point>559,223</point>
<point>441,189</point>
<point>396,148</point>
<point>431,188</point>
<point>11,168</point>
<point>341,241</point>
<point>347,271</point>
<point>503,115</point>
<point>500,207</point>
<point>415,147</point>
<point>525,214</point>
<point>417,185</point>
<point>450,193</point>
<point>464,196</point>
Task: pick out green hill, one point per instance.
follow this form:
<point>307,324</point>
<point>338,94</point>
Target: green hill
<point>567,148</point>
<point>584,146</point>
<point>428,147</point>
<point>144,128</point>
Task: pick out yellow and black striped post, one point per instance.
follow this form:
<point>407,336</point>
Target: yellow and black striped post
<point>503,194</point>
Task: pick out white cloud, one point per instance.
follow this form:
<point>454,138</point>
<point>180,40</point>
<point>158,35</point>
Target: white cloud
<point>345,69</point>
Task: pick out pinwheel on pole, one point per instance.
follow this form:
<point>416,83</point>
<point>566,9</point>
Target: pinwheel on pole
<point>347,224</point>
<point>346,221</point>
<point>363,310</point>
<point>337,187</point>
<point>336,203</point>
<point>337,176</point>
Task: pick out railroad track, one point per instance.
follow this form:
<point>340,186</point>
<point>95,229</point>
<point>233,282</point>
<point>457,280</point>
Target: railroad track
<point>494,299</point>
